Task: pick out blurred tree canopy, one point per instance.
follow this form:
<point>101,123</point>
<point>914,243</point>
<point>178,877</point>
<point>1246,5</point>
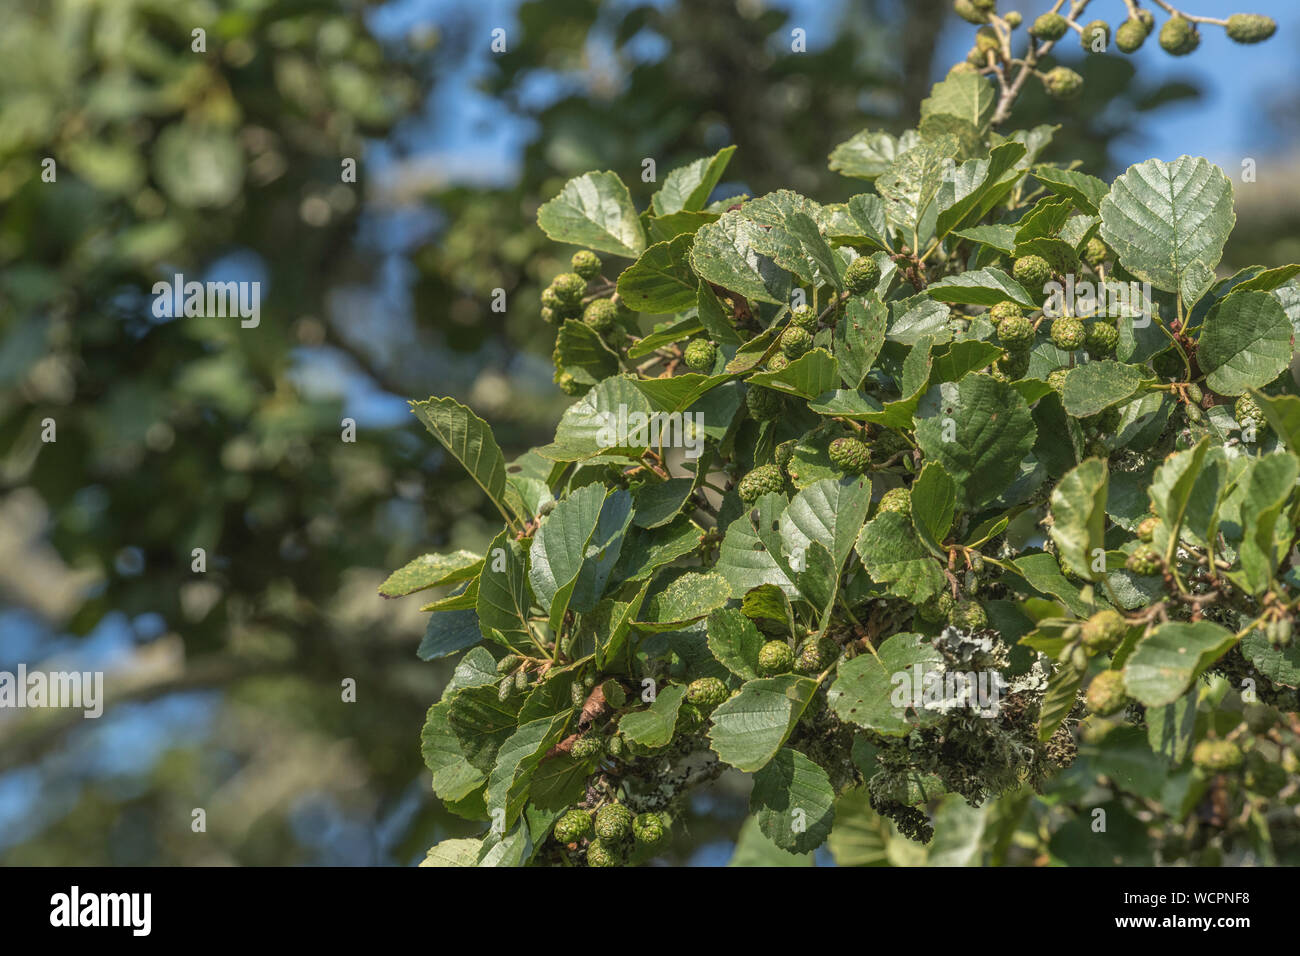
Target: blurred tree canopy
<point>224,160</point>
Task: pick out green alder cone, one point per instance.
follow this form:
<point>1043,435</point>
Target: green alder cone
<point>700,355</point>
<point>1049,26</point>
<point>896,500</point>
<point>1062,83</point>
<point>508,663</point>
<point>783,453</point>
<point>586,264</point>
<point>1005,310</point>
<point>804,317</point>
<point>1106,694</point>
<point>1016,333</point>
<point>613,822</point>
<point>777,362</point>
<point>1095,252</point>
<point>600,315</point>
<point>1145,561</point>
<point>569,287</point>
<point>587,747</point>
<point>850,455</point>
<point>707,693</point>
<point>969,616</point>
<point>816,655</point>
<point>1103,631</point>
<point>795,342</point>
<point>1095,37</point>
<point>648,829</point>
<point>1069,334</point>
<point>573,826</point>
<point>971,11</point>
<point>1056,380</point>
<point>1263,776</point>
<point>1032,272</point>
<point>551,300</point>
<point>763,403</point>
<point>601,853</point>
<point>1014,366</point>
<point>775,657</point>
<point>1216,756</point>
<point>1146,529</point>
<point>862,275</point>
<point>1179,36</point>
<point>1130,36</point>
<point>1101,339</point>
<point>1013,18</point>
<point>760,481</point>
<point>1250,27</point>
<point>1246,411</point>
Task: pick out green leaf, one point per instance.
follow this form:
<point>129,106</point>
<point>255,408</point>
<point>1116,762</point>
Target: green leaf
<point>980,287</point>
<point>690,597</point>
<point>754,849</point>
<point>1095,386</point>
<point>470,441</point>
<point>559,548</point>
<point>679,392</point>
<point>430,570</point>
<point>594,210</point>
<point>915,317</point>
<point>482,722</point>
<point>980,430</point>
<point>503,593</point>
<point>1185,493</point>
<point>448,632</point>
<point>865,155</point>
<point>1283,413</point>
<point>652,728</point>
<point>459,852</point>
<point>934,504</point>
<point>999,237</point>
<point>714,317</point>
<point>1079,517</point>
<point>1246,342</point>
<point>881,694</point>
<point>1168,222</point>
<point>976,186</point>
<point>734,641</point>
<point>856,838</point>
<point>517,759</point>
<point>750,728</point>
<point>1281,665</point>
<point>808,376</point>
<point>859,222</point>
<point>1165,663</point>
<point>726,254</point>
<point>859,335</point>
<point>454,777</point>
<point>967,96</point>
<point>893,555</point>
<point>1058,700</point>
<point>1266,533</point>
<point>588,428</point>
<point>1086,192</point>
<point>688,187</point>
<point>909,187</point>
<point>1042,573</point>
<point>580,351</point>
<point>794,801</point>
<point>830,512</point>
<point>661,280</point>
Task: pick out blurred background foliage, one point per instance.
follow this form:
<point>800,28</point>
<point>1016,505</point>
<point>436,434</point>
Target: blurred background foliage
<point>225,163</point>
